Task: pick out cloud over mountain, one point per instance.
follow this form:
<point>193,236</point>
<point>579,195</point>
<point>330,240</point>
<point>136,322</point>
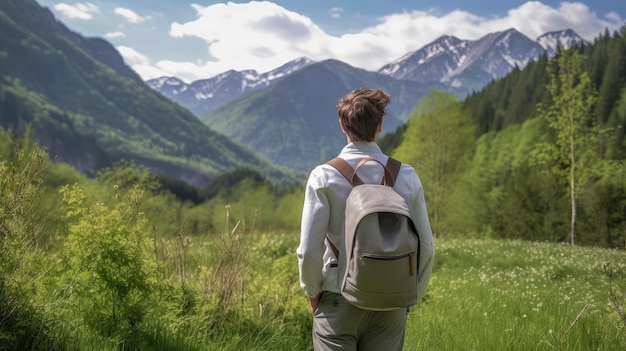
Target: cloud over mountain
<point>269,35</point>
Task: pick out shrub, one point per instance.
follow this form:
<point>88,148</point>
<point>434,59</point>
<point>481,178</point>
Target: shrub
<point>111,276</point>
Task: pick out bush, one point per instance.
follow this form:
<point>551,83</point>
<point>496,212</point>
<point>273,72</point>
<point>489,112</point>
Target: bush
<point>111,276</point>
<point>22,263</point>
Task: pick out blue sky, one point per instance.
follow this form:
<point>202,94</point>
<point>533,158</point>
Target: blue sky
<point>200,39</point>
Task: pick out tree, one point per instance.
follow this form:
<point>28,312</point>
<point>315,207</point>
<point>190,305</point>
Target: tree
<point>439,134</point>
<point>569,116</point>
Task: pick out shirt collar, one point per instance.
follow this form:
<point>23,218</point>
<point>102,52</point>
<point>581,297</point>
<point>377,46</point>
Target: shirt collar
<point>360,147</point>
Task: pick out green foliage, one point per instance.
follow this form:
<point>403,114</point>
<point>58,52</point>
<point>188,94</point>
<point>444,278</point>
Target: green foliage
<point>229,267</point>
<point>438,138</point>
<point>224,184</point>
<point>506,193</point>
<point>22,263</point>
<point>91,109</point>
<point>110,273</point>
<point>501,194</point>
<point>576,135</point>
<point>511,99</point>
<point>390,141</point>
<point>298,133</point>
<point>119,279</point>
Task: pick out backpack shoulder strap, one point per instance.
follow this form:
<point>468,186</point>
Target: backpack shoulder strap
<point>346,170</point>
<point>391,170</point>
<point>393,166</point>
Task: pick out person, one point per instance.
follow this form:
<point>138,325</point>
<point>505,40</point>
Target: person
<point>338,325</point>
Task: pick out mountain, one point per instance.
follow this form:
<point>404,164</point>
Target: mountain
<point>471,64</point>
<point>462,66</point>
<point>433,62</point>
<point>90,110</point>
<point>294,123</point>
<point>202,96</point>
<point>563,39</point>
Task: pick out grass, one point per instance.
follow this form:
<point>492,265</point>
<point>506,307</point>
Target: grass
<point>484,295</point>
<point>515,295</point>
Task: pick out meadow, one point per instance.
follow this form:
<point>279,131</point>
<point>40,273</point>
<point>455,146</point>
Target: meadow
<point>484,295</point>
<point>94,266</point>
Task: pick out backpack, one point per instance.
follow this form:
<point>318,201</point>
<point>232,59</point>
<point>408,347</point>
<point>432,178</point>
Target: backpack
<point>378,255</point>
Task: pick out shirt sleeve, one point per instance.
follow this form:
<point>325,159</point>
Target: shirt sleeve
<point>427,247</point>
<point>314,224</point>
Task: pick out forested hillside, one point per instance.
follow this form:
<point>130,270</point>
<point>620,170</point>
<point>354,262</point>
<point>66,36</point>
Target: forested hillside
<point>90,110</point>
<point>293,122</point>
<point>537,155</point>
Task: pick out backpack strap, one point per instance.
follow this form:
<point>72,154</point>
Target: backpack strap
<point>393,166</point>
<point>346,170</point>
<point>391,174</point>
<point>391,170</point>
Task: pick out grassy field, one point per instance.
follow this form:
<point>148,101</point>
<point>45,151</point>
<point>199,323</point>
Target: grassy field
<point>514,295</point>
<point>484,295</point>
<point>237,292</point>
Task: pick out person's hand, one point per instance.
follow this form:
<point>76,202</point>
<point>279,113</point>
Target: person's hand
<point>314,301</point>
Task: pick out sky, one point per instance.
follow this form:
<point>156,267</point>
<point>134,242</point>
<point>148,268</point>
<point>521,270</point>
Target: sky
<point>199,39</point>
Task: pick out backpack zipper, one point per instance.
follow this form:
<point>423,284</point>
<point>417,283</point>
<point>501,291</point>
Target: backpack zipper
<point>410,255</point>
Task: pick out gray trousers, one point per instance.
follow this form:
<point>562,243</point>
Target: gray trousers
<point>338,325</point>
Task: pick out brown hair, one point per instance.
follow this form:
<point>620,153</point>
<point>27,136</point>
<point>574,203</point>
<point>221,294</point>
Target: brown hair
<point>361,112</point>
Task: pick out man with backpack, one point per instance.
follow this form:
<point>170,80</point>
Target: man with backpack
<point>364,256</point>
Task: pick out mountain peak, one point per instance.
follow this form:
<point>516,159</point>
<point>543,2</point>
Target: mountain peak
<point>202,96</point>
<point>435,54</point>
<point>561,39</point>
<point>470,64</point>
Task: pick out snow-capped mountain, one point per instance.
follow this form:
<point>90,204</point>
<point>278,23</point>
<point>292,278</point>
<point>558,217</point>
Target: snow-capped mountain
<point>462,66</point>
<point>471,64</point>
<point>433,62</point>
<point>553,41</point>
<point>203,95</point>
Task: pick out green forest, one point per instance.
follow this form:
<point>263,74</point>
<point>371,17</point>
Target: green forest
<point>537,155</point>
<point>128,260</point>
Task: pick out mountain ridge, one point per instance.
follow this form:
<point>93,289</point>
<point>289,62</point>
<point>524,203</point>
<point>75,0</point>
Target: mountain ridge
<point>293,122</point>
<point>461,65</point>
<point>91,110</point>
<point>201,96</point>
<point>472,64</point>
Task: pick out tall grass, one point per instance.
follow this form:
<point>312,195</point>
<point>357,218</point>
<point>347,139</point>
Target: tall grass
<point>484,295</point>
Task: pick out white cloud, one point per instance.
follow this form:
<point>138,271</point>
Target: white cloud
<point>132,56</point>
<point>82,11</point>
<point>130,15</point>
<point>335,12</point>
<point>113,35</point>
<point>260,32</point>
<point>141,64</point>
<point>264,35</point>
<point>399,34</point>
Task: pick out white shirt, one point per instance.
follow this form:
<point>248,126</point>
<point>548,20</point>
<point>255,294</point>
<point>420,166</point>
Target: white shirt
<point>323,215</point>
